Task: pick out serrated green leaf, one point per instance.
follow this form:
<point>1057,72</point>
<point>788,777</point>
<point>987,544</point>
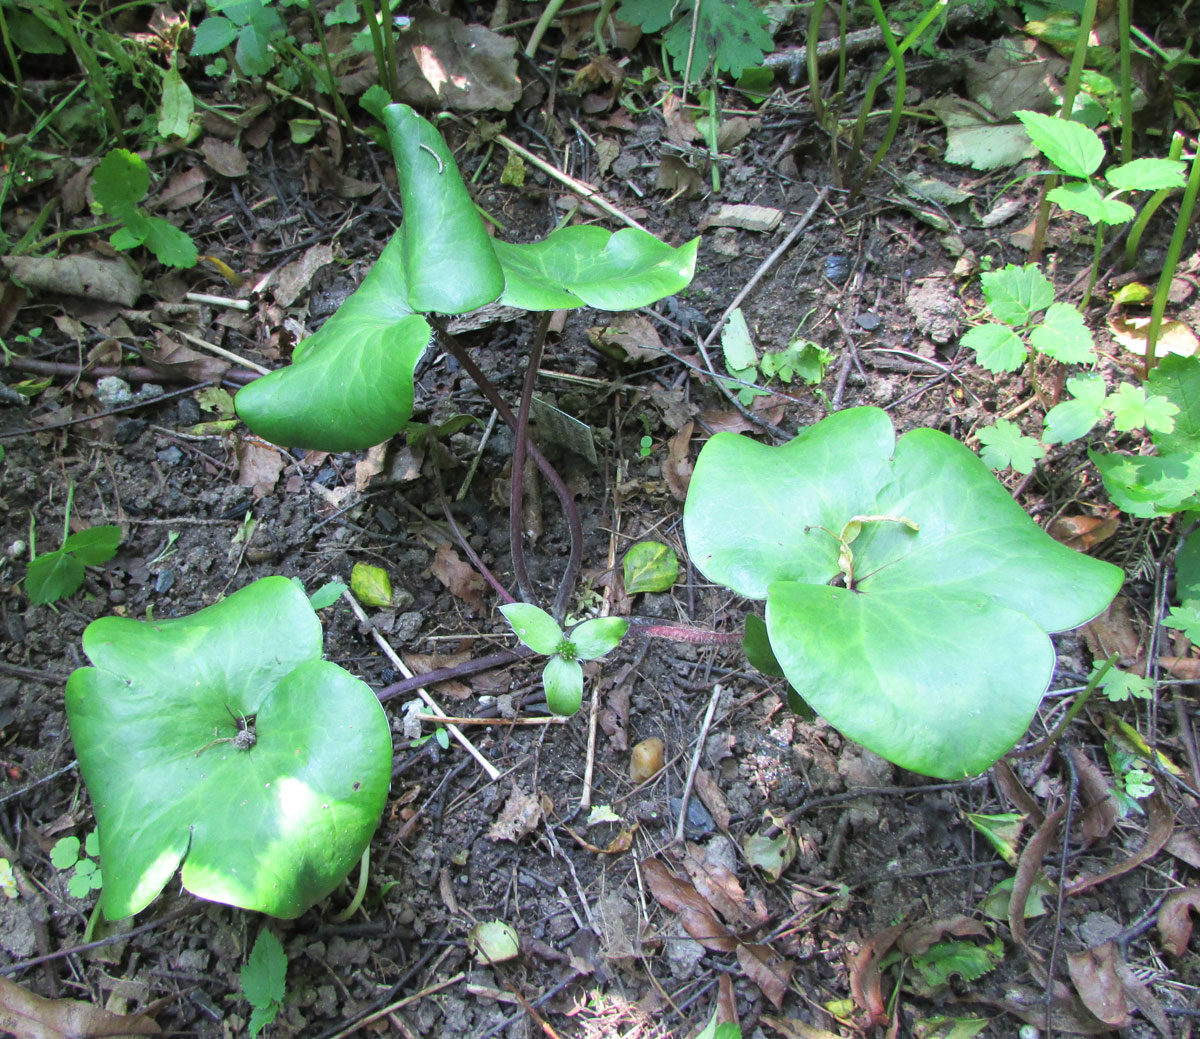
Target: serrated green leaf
<point>1150,486</point>
<point>1147,175</point>
<point>1133,408</point>
<point>997,347</point>
<point>1014,294</point>
<point>1072,147</point>
<point>371,585</point>
<point>121,179</point>
<point>534,627</point>
<point>1004,444</point>
<point>1086,200</point>
<point>594,638</point>
<point>945,960</point>
<point>562,681</point>
<point>1185,618</point>
<point>53,576</point>
<point>79,885</point>
<point>175,106</point>
<point>264,974</point>
<point>326,595</point>
<point>254,54</point>
<point>649,566</point>
<point>65,853</point>
<point>733,32</point>
<point>1119,685</point>
<point>126,238</point>
<point>1064,335</point>
<point>171,246</point>
<point>260,1017</point>
<point>95,545</point>
<point>1072,419</point>
<point>213,34</point>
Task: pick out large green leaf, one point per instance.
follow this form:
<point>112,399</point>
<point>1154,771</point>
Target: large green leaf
<point>937,655</point>
<point>447,254</point>
<point>589,266</point>
<point>273,827</point>
<point>350,385</point>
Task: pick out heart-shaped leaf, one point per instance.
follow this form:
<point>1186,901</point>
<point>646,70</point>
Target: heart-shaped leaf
<point>350,385</point>
<point>936,655</point>
<point>271,824</point>
<point>448,256</point>
<point>589,266</point>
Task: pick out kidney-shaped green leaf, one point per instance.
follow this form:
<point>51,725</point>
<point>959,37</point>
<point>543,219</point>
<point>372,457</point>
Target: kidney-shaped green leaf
<point>272,827</point>
<point>448,256</point>
<point>350,384</point>
<point>589,266</point>
<point>937,654</point>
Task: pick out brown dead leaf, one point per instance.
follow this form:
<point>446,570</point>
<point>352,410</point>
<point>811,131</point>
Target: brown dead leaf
<point>458,577</point>
<point>445,63</point>
<point>184,190</point>
<point>1174,337</point>
<point>1114,632</point>
<point>1082,532</point>
<point>424,663</point>
<point>365,469</point>
<point>1174,919</point>
<point>519,817</point>
<point>727,422</point>
<point>1029,868</point>
<point>175,360</point>
<point>733,131</point>
<point>1067,1013</point>
<point>259,466</point>
<point>1099,805</point>
<point>227,159</point>
<point>713,799</point>
<point>677,469</point>
<point>695,915</point>
<point>919,938</point>
<point>680,129</point>
<point>30,1016</point>
<point>1094,974</point>
<point>726,1001</point>
<point>1187,668</point>
<point>632,332</point>
<point>719,888</point>
<point>1184,846</point>
<point>1161,824</point>
<point>92,277</point>
<point>866,983</point>
<point>767,969</point>
<point>298,275</point>
<point>794,1028</point>
<point>677,177</point>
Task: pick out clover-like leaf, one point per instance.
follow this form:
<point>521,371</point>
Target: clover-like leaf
<point>586,265</point>
<point>448,259</point>
<point>350,385</point>
<point>1004,444</point>
<point>562,681</point>
<point>997,347</point>
<point>1064,335</point>
<point>534,627</point>
<point>271,824</point>
<point>938,655</point>
<point>592,639</point>
<point>1071,419</point>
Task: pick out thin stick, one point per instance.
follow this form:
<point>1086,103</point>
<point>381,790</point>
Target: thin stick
<point>217,301</point>
<point>399,665</point>
<point>550,719</point>
<point>763,267</point>
<point>584,191</point>
<point>694,767</point>
<point>212,348</point>
<point>391,1008</point>
<point>516,498</point>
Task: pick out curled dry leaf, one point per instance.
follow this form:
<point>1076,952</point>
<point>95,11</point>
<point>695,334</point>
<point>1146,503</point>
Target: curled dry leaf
<point>721,889</point>
<point>695,914</point>
<point>30,1016</point>
<point>1174,337</point>
<point>460,580</point>
<point>445,63</point>
<point>768,970</point>
<point>518,818</point>
<point>1114,632</point>
<point>297,276</point>
<point>1094,974</point>
<point>1083,532</point>
<point>184,190</point>
<point>110,281</point>
<point>1099,805</point>
<point>365,469</point>
<point>1161,824</point>
<point>1174,919</point>
<point>713,799</point>
<point>259,466</point>
<point>866,983</point>
<point>919,938</point>
<point>677,469</point>
<point>225,158</point>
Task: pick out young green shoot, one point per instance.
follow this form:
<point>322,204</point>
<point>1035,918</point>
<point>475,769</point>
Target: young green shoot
<point>562,677</point>
<point>59,574</point>
<point>263,977</point>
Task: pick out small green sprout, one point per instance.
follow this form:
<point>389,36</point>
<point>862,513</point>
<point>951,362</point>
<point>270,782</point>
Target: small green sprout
<point>66,854</point>
<point>119,183</point>
<point>58,574</point>
<point>562,677</point>
<point>263,980</point>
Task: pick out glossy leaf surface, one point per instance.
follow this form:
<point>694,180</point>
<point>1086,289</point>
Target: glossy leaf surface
<point>938,655</point>
<point>273,827</point>
<point>350,385</point>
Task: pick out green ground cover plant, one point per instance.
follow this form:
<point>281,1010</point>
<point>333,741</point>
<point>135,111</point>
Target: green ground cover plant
<point>119,184</point>
<point>56,575</point>
<point>264,981</point>
<point>908,596</point>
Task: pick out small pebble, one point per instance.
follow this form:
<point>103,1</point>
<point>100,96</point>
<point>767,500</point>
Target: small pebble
<point>187,412</point>
<point>646,759</point>
<point>837,268</point>
<point>170,455</point>
<point>112,392</point>
<point>164,581</point>
<point>116,596</point>
<point>868,320</point>
<point>698,821</point>
<point>128,430</point>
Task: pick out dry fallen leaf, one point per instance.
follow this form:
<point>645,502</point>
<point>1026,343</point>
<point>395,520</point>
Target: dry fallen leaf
<point>29,1016</point>
<point>1114,632</point>
<point>445,63</point>
<point>184,190</point>
<point>1094,974</point>
<point>631,332</point>
<point>1174,919</point>
<point>1161,822</point>
<point>695,914</point>
<point>713,799</point>
<point>112,281</point>
<point>371,466</point>
<point>259,466</point>
<point>518,818</point>
<point>677,469</point>
<point>458,577</point>
<point>1099,805</point>
<point>227,159</point>
<point>298,275</point>
<point>1082,532</point>
<point>767,969</point>
<point>1174,337</point>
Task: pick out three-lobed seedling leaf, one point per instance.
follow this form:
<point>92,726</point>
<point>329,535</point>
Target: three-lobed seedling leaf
<point>562,677</point>
<point>1004,444</point>
<point>119,183</point>
<point>58,574</point>
<point>264,980</point>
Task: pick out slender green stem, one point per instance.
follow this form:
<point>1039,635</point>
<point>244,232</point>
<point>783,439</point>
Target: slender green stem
<point>1134,239</point>
<point>714,150</point>
<point>1126,80</point>
<point>1080,701</point>
<point>598,26</point>
<point>359,892</point>
<point>389,48</point>
<point>810,62</point>
<point>1095,272</point>
<point>91,66</point>
<point>1171,261</point>
<point>543,24</point>
<point>12,57</point>
<point>381,65</point>
<point>67,510</point>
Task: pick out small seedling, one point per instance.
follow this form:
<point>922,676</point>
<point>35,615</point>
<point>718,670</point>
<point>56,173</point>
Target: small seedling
<point>254,25</point>
<point>67,854</point>
<point>119,183</point>
<point>58,574</point>
<point>264,980</point>
<point>645,446</point>
<point>8,879</point>
<point>562,677</point>
<point>649,566</point>
<point>732,35</point>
